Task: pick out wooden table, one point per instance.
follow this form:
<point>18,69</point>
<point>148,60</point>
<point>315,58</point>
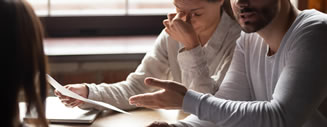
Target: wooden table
<point>139,118</point>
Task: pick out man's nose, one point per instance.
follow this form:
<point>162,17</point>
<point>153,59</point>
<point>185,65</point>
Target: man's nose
<point>242,3</point>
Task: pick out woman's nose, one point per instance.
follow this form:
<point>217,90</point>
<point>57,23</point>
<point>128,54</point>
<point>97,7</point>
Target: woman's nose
<point>186,17</point>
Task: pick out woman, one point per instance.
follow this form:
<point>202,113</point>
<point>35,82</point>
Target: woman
<point>171,57</point>
<point>25,62</point>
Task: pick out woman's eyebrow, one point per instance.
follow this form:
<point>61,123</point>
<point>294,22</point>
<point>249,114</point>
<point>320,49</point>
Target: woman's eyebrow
<point>197,8</point>
<point>191,9</point>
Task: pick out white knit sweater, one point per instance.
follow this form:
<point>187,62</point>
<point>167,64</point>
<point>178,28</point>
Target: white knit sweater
<point>165,61</point>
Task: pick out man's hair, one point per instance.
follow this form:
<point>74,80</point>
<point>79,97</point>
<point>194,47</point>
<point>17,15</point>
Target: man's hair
<point>24,61</point>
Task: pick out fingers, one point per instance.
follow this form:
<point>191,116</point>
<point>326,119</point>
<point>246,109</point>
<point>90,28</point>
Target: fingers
<point>170,97</point>
<point>57,93</point>
<point>74,103</point>
<point>157,83</point>
<point>179,16</point>
<point>141,98</point>
<point>171,16</point>
<point>166,23</point>
<point>159,124</point>
<point>148,100</point>
<point>62,97</point>
<point>168,31</point>
<point>174,21</point>
<point>68,101</point>
<point>71,102</point>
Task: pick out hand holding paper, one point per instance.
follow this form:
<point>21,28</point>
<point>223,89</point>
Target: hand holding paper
<point>71,94</point>
<point>80,89</point>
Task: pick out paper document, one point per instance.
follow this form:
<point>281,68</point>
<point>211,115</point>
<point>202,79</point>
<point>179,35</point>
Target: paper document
<point>71,94</point>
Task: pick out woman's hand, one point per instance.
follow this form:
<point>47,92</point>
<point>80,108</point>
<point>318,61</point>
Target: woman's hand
<point>170,97</point>
<point>180,30</point>
<point>79,89</point>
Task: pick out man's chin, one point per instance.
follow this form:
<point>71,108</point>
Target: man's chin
<point>248,28</point>
<point>248,31</point>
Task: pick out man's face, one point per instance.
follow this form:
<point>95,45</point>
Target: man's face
<point>253,15</point>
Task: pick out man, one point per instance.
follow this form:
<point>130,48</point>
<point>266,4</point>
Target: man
<point>277,77</point>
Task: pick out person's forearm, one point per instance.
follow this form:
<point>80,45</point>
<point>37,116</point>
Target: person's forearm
<point>154,63</point>
<point>115,94</point>
<point>233,113</point>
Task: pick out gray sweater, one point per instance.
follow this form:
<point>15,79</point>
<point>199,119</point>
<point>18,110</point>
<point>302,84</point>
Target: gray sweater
<point>283,90</point>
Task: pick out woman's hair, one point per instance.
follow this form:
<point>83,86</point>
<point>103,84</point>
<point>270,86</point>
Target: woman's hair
<point>24,61</point>
<point>226,7</point>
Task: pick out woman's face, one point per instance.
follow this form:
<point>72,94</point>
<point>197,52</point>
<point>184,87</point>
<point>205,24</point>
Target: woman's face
<point>203,14</point>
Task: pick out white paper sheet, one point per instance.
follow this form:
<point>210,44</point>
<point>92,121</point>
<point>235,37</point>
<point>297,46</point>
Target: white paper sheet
<point>71,94</point>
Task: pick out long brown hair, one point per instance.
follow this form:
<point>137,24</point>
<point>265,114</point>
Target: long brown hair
<point>25,61</point>
<point>226,7</point>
